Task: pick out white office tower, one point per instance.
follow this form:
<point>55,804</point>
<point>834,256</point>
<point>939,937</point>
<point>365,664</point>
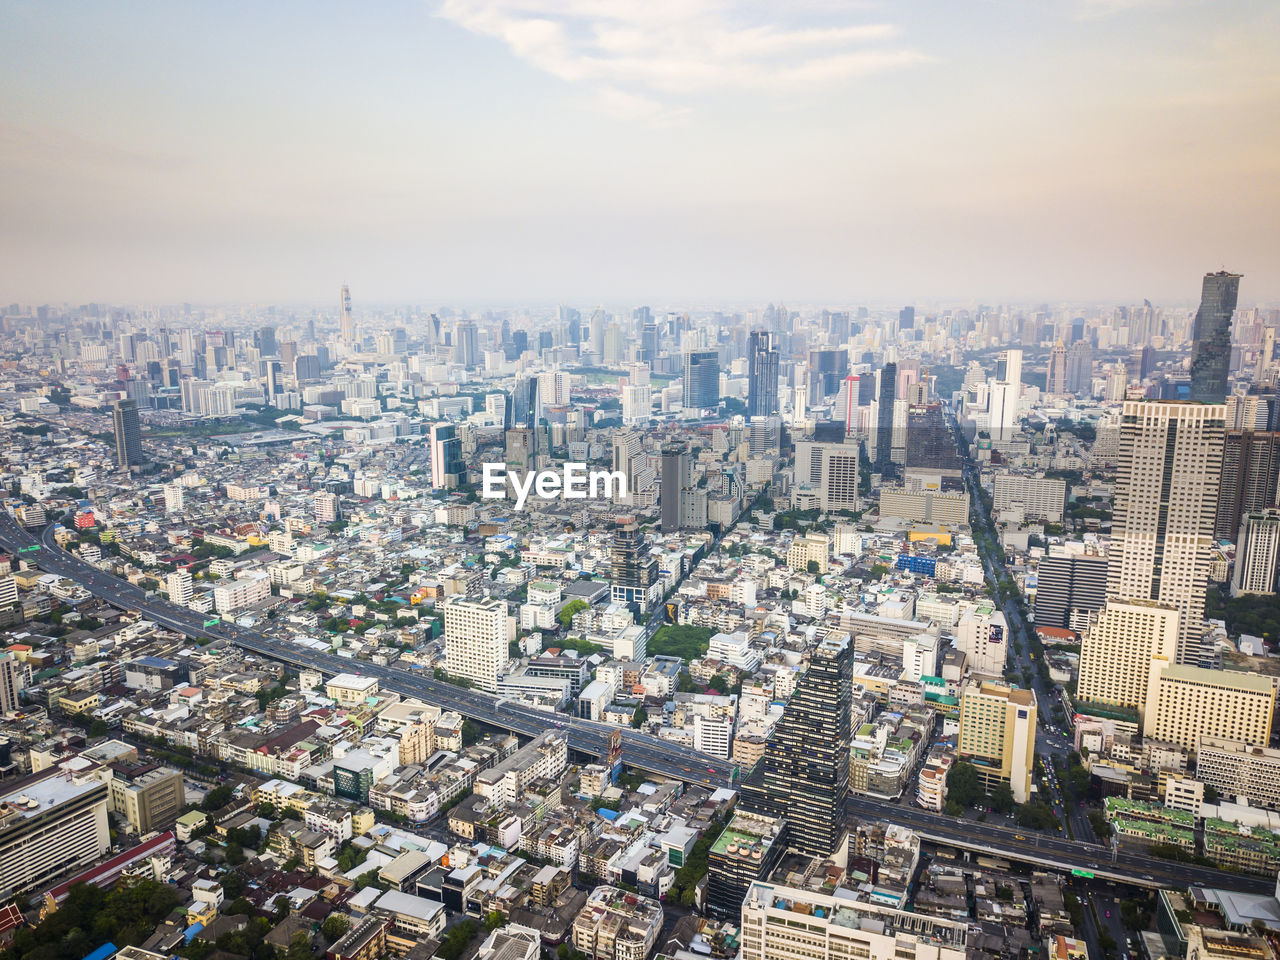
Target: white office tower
<point>637,402</point>
<point>1128,643</point>
<point>1166,496</point>
<point>982,635</point>
<point>173,498</point>
<point>180,586</point>
<point>1003,393</point>
<point>553,388</point>
<point>1117,383</point>
<point>476,635</point>
<point>1256,550</point>
<point>786,923</point>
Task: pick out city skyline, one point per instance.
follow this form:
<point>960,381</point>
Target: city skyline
<point>494,151</point>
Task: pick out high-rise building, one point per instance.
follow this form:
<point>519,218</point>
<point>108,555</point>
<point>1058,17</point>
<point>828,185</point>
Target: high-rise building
<point>1128,642</point>
<point>998,735</point>
<point>674,479</point>
<point>884,419</point>
<point>1165,499</point>
<point>827,370</point>
<point>348,332</point>
<point>701,379</point>
<point>180,586</point>
<point>1257,546</point>
<point>906,318</point>
<point>1056,380</point>
<point>1211,334</point>
<point>10,683</point>
<point>466,344</point>
<point>326,507</point>
<point>1250,471</point>
<point>128,434</point>
<point>476,638</point>
<point>830,472</point>
<point>174,497</point>
<point>748,849</point>
<point>982,635</point>
<point>1069,587</point>
<point>1191,703</point>
<point>448,470</point>
<point>51,823</point>
<point>147,796</point>
<point>785,923</point>
<point>762,375</point>
<point>266,339</point>
<point>633,572</point>
<point>523,408</point>
<point>931,445</point>
<point>804,773</point>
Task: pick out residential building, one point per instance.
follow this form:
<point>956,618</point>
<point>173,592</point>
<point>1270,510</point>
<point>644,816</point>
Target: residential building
<point>998,734</point>
<point>476,638</point>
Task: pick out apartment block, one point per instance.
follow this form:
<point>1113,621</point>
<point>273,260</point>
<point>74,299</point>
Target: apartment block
<point>998,734</point>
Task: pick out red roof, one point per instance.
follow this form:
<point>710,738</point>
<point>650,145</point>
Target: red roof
<point>120,861</point>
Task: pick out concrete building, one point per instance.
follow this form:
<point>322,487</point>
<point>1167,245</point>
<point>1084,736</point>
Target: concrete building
<point>809,548</point>
<point>1117,654</point>
<point>1164,507</point>
<point>1191,703</point>
<point>998,734</point>
<point>783,923</point>
<point>1240,771</point>
<point>982,635</point>
<point>1036,498</point>
<point>1257,548</point>
<point>50,824</point>
<point>476,638</point>
<point>148,796</point>
<point>829,471</point>
<point>615,925</point>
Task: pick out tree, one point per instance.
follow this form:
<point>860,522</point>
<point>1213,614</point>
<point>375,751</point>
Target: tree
<point>1210,793</point>
<point>99,728</point>
<point>639,717</point>
<point>962,784</point>
<point>719,684</point>
<point>217,798</point>
<point>878,571</point>
<point>565,616</point>
<point>493,920</point>
<point>1002,798</point>
<point>233,884</point>
<point>812,567</point>
<point>334,926</point>
<point>299,947</point>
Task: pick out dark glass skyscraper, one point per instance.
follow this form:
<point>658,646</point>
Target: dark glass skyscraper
<point>884,420</point>
<point>804,773</point>
<point>1211,350</point>
<point>762,375</point>
<point>1250,468</point>
<point>701,379</point>
<point>675,477</point>
<point>633,571</point>
<point>128,434</point>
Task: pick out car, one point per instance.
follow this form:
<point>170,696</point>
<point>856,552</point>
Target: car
<point>1108,914</point>
<point>711,769</point>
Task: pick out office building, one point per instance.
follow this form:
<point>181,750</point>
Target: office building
<point>1165,500</point>
<point>884,419</point>
<point>128,433</point>
<point>523,407</point>
<point>748,849</point>
<point>1128,641</point>
<point>827,371</point>
<point>906,318</point>
<point>466,344</point>
<point>1250,469</point>
<point>634,573</point>
<point>1211,337</point>
<point>674,481</point>
<point>931,449</point>
<point>11,672</point>
<point>1034,498</point>
<point>982,635</point>
<point>180,586</point>
<point>348,323</point>
<point>476,638</point>
<point>447,468</point>
<point>701,379</point>
<point>1191,703</point>
<point>1256,552</point>
<point>827,472</point>
<point>762,375</point>
<point>998,735</point>
<point>784,923</point>
<point>51,823</point>
<point>174,497</point>
<point>148,796</point>
<point>1239,770</point>
<point>804,773</point>
<point>1080,369</point>
<point>1056,379</point>
<point>1068,588</point>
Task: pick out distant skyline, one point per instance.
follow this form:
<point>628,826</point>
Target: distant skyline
<point>481,152</point>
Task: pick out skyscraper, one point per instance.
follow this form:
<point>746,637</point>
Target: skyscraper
<point>633,572</point>
<point>701,379</point>
<point>1211,347</point>
<point>476,635</point>
<point>674,479</point>
<point>466,348</point>
<point>128,434</point>
<point>1256,549</point>
<point>827,370</point>
<point>523,408</point>
<point>1080,368</point>
<point>1056,381</point>
<point>884,418</point>
<point>762,375</point>
<point>906,318</point>
<point>348,322</point>
<point>1165,500</point>
<point>1250,470</point>
<point>804,773</point>
<point>447,468</point>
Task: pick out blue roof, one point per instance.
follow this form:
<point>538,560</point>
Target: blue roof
<point>159,662</point>
<point>104,951</point>
<point>608,814</point>
<point>191,931</point>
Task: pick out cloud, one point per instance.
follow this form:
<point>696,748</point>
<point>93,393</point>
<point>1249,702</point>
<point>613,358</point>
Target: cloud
<point>641,55</point>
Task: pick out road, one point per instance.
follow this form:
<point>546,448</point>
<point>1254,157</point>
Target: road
<point>1041,850</point>
<point>639,750</point>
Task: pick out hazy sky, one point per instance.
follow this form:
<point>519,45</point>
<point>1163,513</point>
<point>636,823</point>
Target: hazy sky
<point>638,150</point>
